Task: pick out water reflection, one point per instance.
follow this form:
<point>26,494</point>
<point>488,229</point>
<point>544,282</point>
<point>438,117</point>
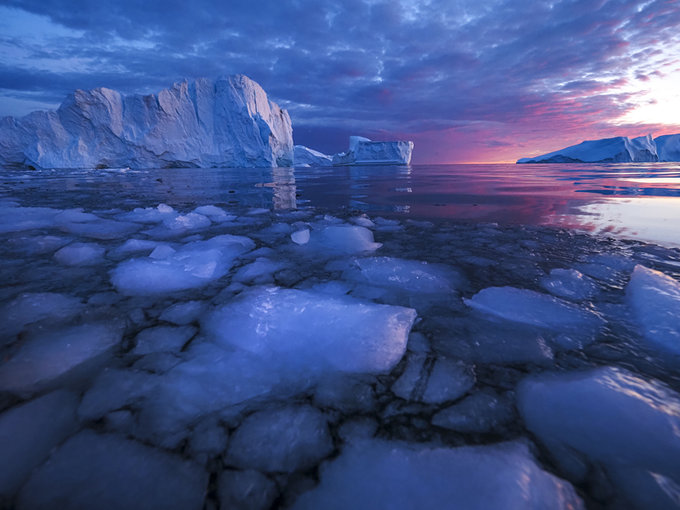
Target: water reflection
<point>639,201</point>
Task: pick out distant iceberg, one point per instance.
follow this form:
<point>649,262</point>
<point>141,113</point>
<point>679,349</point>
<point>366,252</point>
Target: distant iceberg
<point>620,149</point>
<point>363,151</point>
<point>229,122</point>
<point>668,147</point>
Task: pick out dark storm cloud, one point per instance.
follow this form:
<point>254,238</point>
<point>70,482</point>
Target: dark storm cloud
<point>368,65</point>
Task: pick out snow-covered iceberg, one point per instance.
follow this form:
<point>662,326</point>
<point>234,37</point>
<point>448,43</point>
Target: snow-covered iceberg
<point>363,151</point>
<point>229,122</point>
<point>620,149</point>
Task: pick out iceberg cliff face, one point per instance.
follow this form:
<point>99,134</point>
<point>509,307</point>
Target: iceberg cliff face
<point>620,149</point>
<point>363,151</point>
<point>205,123</point>
<point>668,147</point>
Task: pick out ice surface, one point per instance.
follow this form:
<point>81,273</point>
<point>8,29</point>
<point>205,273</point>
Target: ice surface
<point>412,276</point>
<point>208,439</point>
<point>260,271</point>
<point>668,147</point>
<point>135,245</point>
<point>216,214</point>
<point>606,150</point>
<point>306,157</point>
<point>313,332</point>
<point>287,439</point>
<point>448,380</point>
<point>655,301</point>
<point>569,284</point>
<point>183,313</point>
<point>16,219</point>
<point>343,239</point>
<point>150,214</point>
<point>163,339</point>
<point>229,122</point>
<point>32,307</point>
<point>29,432</point>
<point>300,236</point>
<point>80,254</point>
<point>533,308</point>
<point>58,356</point>
<point>108,472</point>
<point>609,415</point>
<point>245,490</point>
<point>193,265</point>
<point>376,474</point>
<point>481,412</point>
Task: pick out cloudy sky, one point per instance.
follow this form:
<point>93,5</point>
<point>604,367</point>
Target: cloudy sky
<point>467,80</point>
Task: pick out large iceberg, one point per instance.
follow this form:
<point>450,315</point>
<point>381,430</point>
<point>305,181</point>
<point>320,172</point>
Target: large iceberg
<point>620,149</point>
<point>229,122</point>
<point>363,151</point>
<point>668,147</point>
<point>306,157</point>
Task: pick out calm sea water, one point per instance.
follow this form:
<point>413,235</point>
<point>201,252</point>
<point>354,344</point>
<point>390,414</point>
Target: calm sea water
<point>637,201</point>
<point>148,379</point>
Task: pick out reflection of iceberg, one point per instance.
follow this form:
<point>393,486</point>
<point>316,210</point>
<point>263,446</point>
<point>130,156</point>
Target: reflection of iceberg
<point>284,188</point>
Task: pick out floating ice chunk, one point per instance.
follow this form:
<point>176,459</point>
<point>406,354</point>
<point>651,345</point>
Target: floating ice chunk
<point>32,307</point>
<point>37,245</point>
<point>480,413</point>
<point>448,380</point>
<point>216,214</point>
<point>80,254</point>
<point>343,239</point>
<point>59,355</point>
<point>363,221</point>
<point>533,308</point>
<point>345,393</point>
<point>246,490</point>
<point>194,265</point>
<point>604,413</point>
<point>286,439</point>
<point>374,474</point>
<point>406,386</point>
<point>183,313</point>
<point>29,432</point>
<point>187,222</point>
<point>150,214</point>
<point>655,301</point>
<point>108,472</point>
<point>405,275</point>
<point>569,284</point>
<point>313,332</point>
<point>260,271</point>
<point>301,236</point>
<point>162,251</point>
<point>163,339</point>
<point>135,245</point>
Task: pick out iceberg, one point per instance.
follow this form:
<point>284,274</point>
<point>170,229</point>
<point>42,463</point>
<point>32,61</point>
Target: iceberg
<point>306,157</point>
<point>620,149</point>
<point>668,147</point>
<point>363,151</point>
<point>229,122</point>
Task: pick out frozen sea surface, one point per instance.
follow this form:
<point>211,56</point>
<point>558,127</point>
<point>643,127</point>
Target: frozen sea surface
<point>340,338</point>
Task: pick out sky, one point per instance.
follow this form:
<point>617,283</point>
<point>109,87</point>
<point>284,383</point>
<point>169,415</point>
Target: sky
<point>466,80</point>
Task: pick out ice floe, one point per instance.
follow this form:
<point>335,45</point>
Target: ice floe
<point>380,474</point>
<point>569,284</point>
<point>613,417</point>
<point>107,471</point>
<point>286,439</point>
<point>655,301</point>
<point>193,265</point>
<point>35,306</point>
<point>29,432</point>
<point>80,254</point>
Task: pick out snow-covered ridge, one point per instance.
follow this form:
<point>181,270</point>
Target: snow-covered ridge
<point>620,149</point>
<point>229,122</point>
